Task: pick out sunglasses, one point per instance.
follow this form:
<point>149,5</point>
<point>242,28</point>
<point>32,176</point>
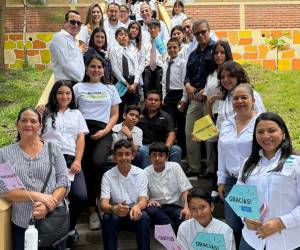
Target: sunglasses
<point>203,32</point>
<point>74,22</point>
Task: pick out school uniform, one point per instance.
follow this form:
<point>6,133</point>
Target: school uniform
<point>279,191</point>
<point>173,91</point>
<point>177,19</point>
<point>232,150</point>
<point>189,229</point>
<point>110,32</point>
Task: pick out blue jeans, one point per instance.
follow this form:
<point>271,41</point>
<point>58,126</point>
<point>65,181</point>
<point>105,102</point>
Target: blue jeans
<point>18,234</point>
<point>166,214</point>
<point>111,224</point>
<point>174,155</point>
<point>231,218</point>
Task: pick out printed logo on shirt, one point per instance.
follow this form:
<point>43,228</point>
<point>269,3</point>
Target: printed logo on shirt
<point>95,96</point>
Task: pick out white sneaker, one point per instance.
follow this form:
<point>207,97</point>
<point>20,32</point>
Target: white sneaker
<point>94,221</point>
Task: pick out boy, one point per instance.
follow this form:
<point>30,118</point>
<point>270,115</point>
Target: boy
<point>127,130</point>
<point>174,95</point>
<point>167,188</point>
<point>155,56</point>
<point>123,199</point>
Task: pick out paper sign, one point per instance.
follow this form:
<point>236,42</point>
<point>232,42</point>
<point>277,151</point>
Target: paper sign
<point>159,45</point>
<point>71,175</point>
<point>9,177</point>
<point>209,241</point>
<point>204,128</point>
<point>121,87</point>
<point>166,236</point>
<point>244,201</point>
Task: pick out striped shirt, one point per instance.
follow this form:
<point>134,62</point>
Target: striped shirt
<point>33,174</point>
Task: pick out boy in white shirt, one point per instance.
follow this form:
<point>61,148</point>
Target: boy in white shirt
<point>167,188</point>
<point>123,199</point>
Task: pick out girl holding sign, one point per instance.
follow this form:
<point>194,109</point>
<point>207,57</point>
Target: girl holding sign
<point>275,171</point>
<point>201,208</point>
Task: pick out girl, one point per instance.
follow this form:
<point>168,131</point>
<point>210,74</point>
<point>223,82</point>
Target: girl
<point>94,19</point>
<point>177,14</point>
<point>125,68</point>
<point>234,146</point>
<point>65,126</point>
<point>178,32</point>
<point>98,102</point>
<point>201,208</point>
<point>275,171</point>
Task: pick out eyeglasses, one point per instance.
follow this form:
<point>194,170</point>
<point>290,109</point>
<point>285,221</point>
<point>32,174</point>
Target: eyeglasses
<point>74,22</point>
<point>203,32</point>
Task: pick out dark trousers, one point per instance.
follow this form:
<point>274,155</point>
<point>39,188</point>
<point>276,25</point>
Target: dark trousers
<point>179,123</point>
<point>94,159</point>
<point>112,223</point>
<point>166,214</point>
<point>127,100</point>
<point>18,234</point>
<point>152,79</point>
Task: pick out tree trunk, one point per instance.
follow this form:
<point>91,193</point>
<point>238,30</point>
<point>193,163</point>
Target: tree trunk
<point>2,12</point>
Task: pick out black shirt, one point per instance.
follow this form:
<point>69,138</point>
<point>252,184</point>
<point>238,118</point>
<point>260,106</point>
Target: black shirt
<point>198,65</point>
<point>156,128</point>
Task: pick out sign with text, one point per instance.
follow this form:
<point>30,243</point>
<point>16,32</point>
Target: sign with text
<point>9,177</point>
<point>209,241</point>
<point>166,236</point>
<point>244,201</point>
<point>121,87</point>
<point>204,128</point>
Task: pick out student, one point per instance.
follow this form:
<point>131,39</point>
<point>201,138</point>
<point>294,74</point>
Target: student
<point>127,130</point>
<point>168,188</point>
<point>65,126</point>
<point>124,15</point>
<point>275,171</point>
<point>123,199</point>
<point>125,68</point>
<point>177,14</point>
<point>94,19</point>
<point>174,95</point>
<point>178,32</point>
<point>201,208</point>
<point>98,102</point>
<point>154,60</point>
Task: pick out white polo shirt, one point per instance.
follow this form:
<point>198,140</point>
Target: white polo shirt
<point>190,228</point>
<point>118,188</point>
<point>137,135</point>
<point>110,32</point>
<point>167,186</point>
<point>68,125</point>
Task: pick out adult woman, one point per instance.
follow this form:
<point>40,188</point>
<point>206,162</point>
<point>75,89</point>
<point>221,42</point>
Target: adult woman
<point>234,146</point>
<point>178,32</point>
<point>94,19</point>
<point>29,158</point>
<point>177,14</point>
<point>98,102</point>
<point>65,126</point>
<point>275,171</point>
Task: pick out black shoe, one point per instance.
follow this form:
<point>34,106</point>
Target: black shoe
<point>190,173</point>
<point>206,175</point>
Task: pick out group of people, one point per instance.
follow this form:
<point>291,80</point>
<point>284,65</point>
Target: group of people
<point>122,163</point>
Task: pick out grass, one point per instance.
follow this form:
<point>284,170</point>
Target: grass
<point>18,89</point>
<point>280,92</point>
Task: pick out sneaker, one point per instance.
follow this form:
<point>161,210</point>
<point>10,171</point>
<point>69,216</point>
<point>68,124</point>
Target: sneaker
<point>94,221</point>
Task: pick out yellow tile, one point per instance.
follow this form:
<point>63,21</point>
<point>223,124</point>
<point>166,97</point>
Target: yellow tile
<point>9,45</point>
<point>284,65</point>
<point>45,56</point>
<point>245,34</point>
<point>45,37</point>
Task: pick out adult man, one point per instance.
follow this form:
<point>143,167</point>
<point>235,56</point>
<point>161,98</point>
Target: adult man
<point>157,125</point>
<point>66,58</point>
<point>187,26</point>
<point>197,71</point>
<point>167,188</point>
<point>112,23</point>
<point>123,198</point>
<point>146,14</point>
<point>124,15</point>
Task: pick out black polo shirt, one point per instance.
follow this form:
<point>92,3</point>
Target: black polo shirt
<point>156,128</point>
<point>198,65</point>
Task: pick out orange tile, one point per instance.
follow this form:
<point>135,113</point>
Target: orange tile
<point>250,49</point>
<point>233,37</point>
<point>32,52</point>
<point>39,66</point>
<point>296,37</point>
<point>19,53</point>
<point>262,51</point>
<point>296,64</point>
<point>221,34</point>
<point>288,54</point>
<point>5,37</point>
<point>37,44</point>
<point>270,64</point>
<point>257,62</point>
<point>16,37</point>
<point>237,56</point>
<point>265,33</point>
<point>245,41</point>
<point>276,33</point>
<point>250,56</point>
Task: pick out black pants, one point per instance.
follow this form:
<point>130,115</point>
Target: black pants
<point>152,79</point>
<point>94,159</point>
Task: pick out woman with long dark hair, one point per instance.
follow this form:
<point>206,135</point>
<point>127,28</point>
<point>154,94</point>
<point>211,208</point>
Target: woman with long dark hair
<point>275,170</point>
